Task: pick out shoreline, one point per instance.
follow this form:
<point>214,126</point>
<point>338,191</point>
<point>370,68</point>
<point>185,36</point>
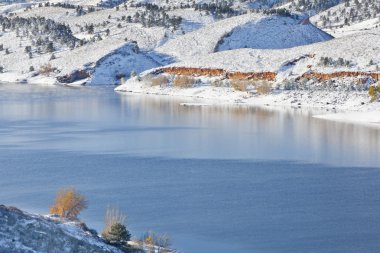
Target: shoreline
<point>346,107</point>
<point>348,110</point>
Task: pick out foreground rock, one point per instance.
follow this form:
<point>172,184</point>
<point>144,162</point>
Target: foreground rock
<point>21,232</point>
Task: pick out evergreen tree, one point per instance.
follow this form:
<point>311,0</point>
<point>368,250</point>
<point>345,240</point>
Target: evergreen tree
<point>118,234</point>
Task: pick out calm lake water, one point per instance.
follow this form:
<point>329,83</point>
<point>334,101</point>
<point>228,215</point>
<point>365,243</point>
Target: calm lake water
<point>215,178</point>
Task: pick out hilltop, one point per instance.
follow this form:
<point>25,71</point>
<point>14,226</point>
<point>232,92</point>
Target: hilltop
<point>23,232</point>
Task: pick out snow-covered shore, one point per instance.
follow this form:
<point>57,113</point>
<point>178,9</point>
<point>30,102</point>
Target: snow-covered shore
<point>354,107</point>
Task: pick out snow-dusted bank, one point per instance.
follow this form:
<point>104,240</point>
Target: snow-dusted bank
<point>347,106</point>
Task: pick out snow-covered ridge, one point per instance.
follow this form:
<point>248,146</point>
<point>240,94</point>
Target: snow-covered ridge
<point>252,30</point>
<point>23,232</point>
<point>356,52</point>
<point>273,32</point>
<point>349,17</point>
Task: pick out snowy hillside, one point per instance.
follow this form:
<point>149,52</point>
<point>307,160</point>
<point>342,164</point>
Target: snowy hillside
<point>312,75</point>
<point>274,32</point>
<point>349,17</point>
<point>310,6</point>
<point>353,53</point>
<point>22,232</point>
<point>67,43</point>
<point>204,40</point>
<point>245,31</point>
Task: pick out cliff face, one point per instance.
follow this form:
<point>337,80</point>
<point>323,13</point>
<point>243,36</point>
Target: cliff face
<point>268,76</point>
<point>340,74</point>
<point>21,232</point>
<point>209,72</point>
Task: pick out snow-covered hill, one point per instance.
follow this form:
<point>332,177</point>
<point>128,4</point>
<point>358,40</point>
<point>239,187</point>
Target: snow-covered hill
<point>22,232</point>
<point>274,32</point>
<point>101,45</point>
<point>356,52</point>
<point>245,31</point>
<point>312,75</point>
<point>349,17</point>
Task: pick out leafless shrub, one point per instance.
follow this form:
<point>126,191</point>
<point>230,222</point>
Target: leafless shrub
<point>217,83</point>
<point>159,80</point>
<point>46,69</point>
<point>113,216</point>
<point>183,82</point>
<point>240,85</point>
<point>155,242</point>
<point>263,87</point>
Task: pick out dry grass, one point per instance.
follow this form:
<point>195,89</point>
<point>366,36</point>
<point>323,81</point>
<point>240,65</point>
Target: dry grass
<point>113,216</point>
<point>159,81</point>
<point>240,85</point>
<point>263,87</point>
<point>46,69</point>
<point>183,82</point>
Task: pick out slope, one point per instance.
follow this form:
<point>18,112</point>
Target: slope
<point>245,31</point>
<point>273,32</point>
<point>22,232</point>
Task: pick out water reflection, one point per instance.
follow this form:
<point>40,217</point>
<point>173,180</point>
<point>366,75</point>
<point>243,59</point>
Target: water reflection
<point>96,120</point>
<point>241,197</point>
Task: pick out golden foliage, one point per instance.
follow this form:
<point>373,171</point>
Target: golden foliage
<point>374,92</point>
<point>149,240</point>
<point>155,242</point>
<point>68,203</point>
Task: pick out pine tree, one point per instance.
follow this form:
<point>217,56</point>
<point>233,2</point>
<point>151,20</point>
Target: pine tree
<point>118,234</point>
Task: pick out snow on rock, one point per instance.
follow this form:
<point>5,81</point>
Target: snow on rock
<point>119,64</point>
<point>22,232</point>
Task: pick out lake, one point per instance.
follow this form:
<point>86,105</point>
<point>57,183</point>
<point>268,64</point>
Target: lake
<point>215,178</point>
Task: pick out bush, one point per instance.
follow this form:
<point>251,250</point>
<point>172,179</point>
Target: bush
<point>46,69</point>
<point>240,85</point>
<point>159,80</point>
<point>374,92</point>
<point>115,231</point>
<point>118,234</point>
<point>217,83</point>
<point>155,242</point>
<point>68,203</point>
<point>113,216</point>
<point>133,73</point>
<point>263,87</point>
<point>183,82</point>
